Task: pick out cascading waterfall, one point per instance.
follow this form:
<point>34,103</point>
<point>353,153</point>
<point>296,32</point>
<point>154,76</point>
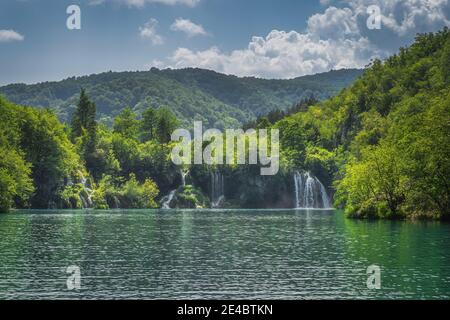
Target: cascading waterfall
<point>310,192</point>
<point>166,200</point>
<point>217,189</point>
<point>85,194</point>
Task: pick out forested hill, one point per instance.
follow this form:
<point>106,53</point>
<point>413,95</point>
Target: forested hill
<point>383,142</point>
<point>218,100</point>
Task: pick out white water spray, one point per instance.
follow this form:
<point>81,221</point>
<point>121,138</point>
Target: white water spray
<point>217,189</point>
<point>310,192</point>
<point>85,194</point>
<point>168,199</point>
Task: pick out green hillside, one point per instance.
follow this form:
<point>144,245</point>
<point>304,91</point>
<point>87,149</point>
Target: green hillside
<point>384,142</point>
<point>218,100</point>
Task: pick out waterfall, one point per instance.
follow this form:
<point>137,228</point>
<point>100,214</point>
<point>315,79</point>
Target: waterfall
<point>309,191</point>
<point>116,202</point>
<point>183,177</point>
<point>325,199</point>
<point>168,199</point>
<point>85,194</point>
<point>217,189</point>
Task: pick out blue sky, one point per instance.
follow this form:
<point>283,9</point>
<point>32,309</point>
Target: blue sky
<point>263,38</point>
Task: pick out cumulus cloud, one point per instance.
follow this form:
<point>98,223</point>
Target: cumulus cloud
<point>332,41</point>
<point>406,17</point>
<point>280,54</point>
<point>141,3</point>
<point>336,38</point>
<point>188,27</point>
<point>334,23</point>
<point>10,35</point>
<point>148,31</point>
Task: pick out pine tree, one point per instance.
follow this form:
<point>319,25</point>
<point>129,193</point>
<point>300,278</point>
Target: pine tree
<point>84,116</point>
<point>84,126</point>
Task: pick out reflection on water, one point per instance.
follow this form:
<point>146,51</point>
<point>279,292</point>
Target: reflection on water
<point>254,254</point>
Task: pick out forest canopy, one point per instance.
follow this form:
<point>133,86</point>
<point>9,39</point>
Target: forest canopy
<point>218,100</point>
<point>383,143</point>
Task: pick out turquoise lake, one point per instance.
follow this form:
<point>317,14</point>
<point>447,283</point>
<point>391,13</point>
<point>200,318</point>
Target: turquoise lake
<point>220,254</point>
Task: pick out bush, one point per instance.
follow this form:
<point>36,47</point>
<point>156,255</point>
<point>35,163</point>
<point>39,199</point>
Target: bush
<point>190,197</point>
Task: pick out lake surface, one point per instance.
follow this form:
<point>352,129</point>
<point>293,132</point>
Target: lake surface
<point>236,254</point>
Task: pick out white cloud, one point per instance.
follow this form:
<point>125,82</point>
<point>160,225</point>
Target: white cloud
<point>336,38</point>
<point>332,41</point>
<point>334,23</point>
<point>188,27</point>
<point>141,3</point>
<point>280,55</point>
<point>325,2</point>
<point>148,31</point>
<point>407,17</point>
<point>10,35</point>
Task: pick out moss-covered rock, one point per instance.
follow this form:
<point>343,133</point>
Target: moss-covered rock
<point>190,197</point>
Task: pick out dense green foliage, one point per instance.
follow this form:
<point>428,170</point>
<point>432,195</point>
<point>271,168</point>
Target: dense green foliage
<point>36,157</point>
<point>220,101</point>
<point>40,167</point>
<point>385,140</point>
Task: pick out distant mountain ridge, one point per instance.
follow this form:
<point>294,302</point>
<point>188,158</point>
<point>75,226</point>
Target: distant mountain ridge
<point>217,99</point>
